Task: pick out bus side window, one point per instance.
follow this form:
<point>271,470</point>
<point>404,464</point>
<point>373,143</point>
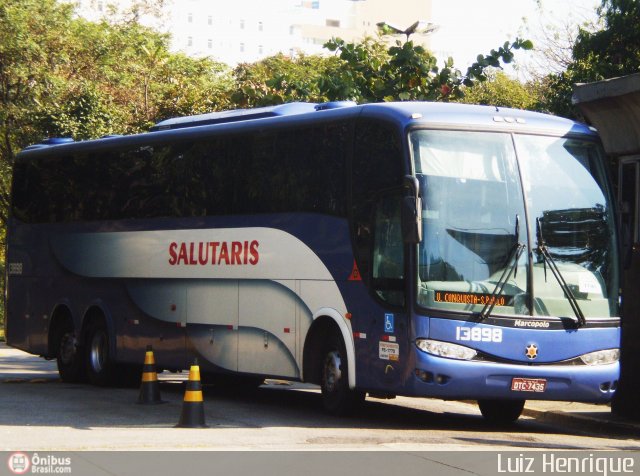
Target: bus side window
<point>388,251</point>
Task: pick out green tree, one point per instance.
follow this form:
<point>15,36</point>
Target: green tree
<point>279,79</point>
<point>32,38</point>
<point>501,90</point>
<point>373,72</point>
<point>192,86</point>
<point>130,79</point>
<point>612,51</point>
<point>65,76</point>
<point>364,71</point>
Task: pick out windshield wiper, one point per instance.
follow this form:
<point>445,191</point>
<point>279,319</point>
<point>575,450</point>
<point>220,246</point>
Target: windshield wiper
<point>547,259</point>
<point>509,269</point>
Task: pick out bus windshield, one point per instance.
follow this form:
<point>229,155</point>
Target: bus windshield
<point>475,186</point>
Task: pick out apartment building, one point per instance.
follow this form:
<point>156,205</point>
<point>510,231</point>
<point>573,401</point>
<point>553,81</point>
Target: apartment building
<point>249,30</point>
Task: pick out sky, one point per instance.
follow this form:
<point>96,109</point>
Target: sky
<point>471,27</point>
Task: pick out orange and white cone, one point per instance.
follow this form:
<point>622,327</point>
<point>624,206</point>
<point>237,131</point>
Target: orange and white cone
<point>193,405</point>
<point>149,387</point>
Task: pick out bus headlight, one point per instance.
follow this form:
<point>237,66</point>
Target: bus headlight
<point>601,357</point>
<point>446,349</point>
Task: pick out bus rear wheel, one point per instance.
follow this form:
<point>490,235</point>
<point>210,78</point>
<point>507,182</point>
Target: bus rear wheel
<point>337,397</point>
<point>501,412</point>
<point>69,356</point>
<point>98,359</point>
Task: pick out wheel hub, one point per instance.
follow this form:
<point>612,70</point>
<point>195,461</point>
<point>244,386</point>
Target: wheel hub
<point>68,348</point>
<point>98,352</point>
<point>332,372</point>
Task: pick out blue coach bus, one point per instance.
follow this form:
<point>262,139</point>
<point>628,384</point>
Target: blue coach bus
<point>418,249</point>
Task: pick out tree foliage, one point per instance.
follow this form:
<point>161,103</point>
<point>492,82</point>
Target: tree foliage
<point>279,79</point>
<point>501,90</point>
<point>614,50</point>
<point>64,76</point>
<point>364,71</point>
<point>609,52</point>
<point>32,39</point>
<point>372,72</point>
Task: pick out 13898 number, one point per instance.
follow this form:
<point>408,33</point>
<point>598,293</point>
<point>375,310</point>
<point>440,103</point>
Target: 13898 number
<point>478,334</point>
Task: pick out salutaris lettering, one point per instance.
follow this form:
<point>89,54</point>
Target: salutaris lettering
<point>216,253</point>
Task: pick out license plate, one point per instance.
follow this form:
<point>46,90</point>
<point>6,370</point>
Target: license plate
<point>537,385</point>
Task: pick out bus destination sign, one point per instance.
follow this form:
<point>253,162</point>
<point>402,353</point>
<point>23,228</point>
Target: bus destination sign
<point>482,299</point>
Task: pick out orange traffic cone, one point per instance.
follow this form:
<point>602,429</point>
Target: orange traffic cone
<point>149,388</point>
<point>193,406</point>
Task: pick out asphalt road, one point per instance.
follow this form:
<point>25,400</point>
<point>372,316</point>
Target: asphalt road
<point>40,413</point>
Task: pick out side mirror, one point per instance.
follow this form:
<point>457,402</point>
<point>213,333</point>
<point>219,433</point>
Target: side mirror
<point>411,211</point>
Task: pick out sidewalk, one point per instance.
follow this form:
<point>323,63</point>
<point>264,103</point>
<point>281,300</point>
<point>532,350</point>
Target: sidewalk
<point>585,416</point>
<point>19,366</point>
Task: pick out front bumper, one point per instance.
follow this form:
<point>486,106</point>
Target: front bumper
<point>457,379</point>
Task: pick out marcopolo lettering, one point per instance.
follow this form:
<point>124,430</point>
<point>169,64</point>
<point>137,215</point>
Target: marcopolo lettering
<point>533,324</point>
<point>201,253</point>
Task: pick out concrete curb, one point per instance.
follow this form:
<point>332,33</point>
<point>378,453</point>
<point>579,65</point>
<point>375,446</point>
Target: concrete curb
<point>600,422</point>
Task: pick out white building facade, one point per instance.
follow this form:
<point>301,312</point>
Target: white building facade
<point>236,31</point>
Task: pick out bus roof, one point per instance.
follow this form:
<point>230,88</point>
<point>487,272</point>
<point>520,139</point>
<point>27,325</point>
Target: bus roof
<point>434,114</point>
<point>404,114</point>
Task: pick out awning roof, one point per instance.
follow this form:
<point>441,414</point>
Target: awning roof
<point>613,107</point>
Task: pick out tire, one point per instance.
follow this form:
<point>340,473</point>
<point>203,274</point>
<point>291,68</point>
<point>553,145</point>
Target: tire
<point>337,397</point>
<point>69,356</point>
<point>501,412</point>
<point>98,360</point>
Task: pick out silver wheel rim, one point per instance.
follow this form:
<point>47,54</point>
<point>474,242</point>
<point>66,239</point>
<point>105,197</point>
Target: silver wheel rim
<point>98,352</point>
<point>332,372</point>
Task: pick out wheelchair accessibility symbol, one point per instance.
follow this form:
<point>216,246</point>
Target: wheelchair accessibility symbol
<point>388,323</point>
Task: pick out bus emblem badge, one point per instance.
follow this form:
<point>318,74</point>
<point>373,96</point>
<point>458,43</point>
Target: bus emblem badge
<point>531,351</point>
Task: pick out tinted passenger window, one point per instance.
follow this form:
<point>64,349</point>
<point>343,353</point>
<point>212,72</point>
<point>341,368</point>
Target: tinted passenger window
<point>377,171</point>
<point>300,170</point>
<point>279,171</point>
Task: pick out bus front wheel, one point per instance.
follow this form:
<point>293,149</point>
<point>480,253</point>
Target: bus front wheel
<point>98,359</point>
<point>337,397</point>
<point>501,412</point>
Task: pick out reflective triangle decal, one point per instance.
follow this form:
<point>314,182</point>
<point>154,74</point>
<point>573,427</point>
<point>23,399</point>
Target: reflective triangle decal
<point>355,273</point>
